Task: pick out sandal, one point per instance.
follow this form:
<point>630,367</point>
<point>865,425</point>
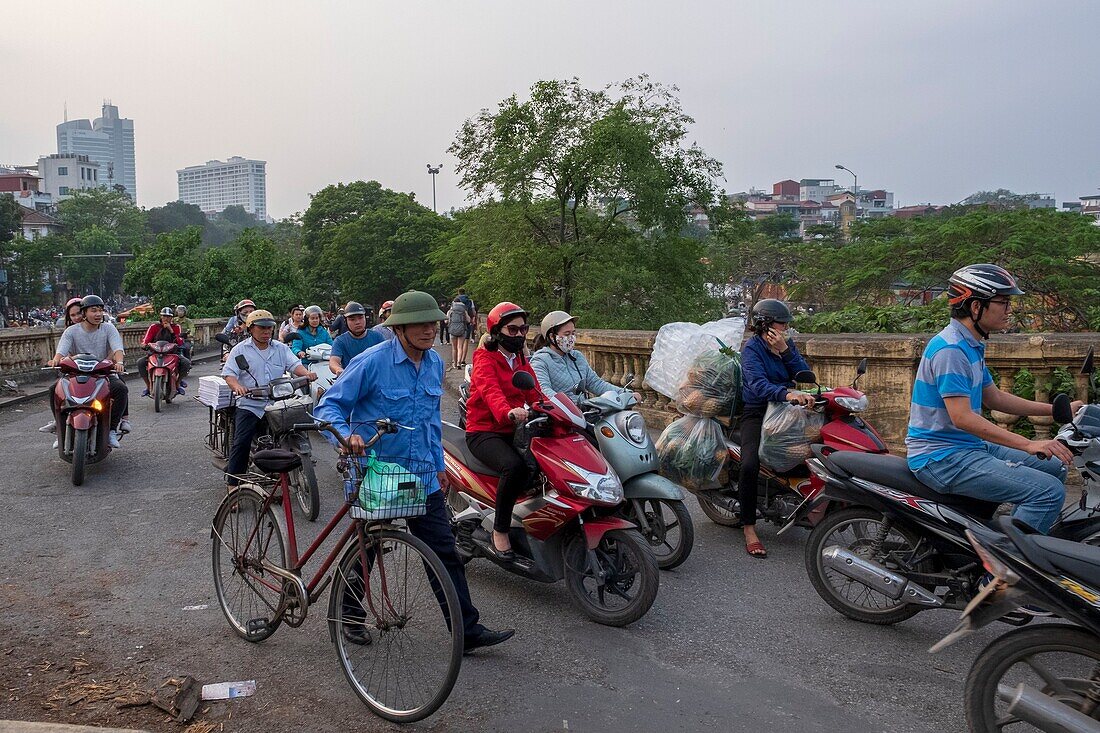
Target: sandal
<point>756,549</point>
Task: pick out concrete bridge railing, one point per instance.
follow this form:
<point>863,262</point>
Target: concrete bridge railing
<point>891,368</point>
<point>23,351</point>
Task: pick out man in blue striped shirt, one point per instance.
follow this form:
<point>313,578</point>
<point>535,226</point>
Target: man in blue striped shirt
<point>951,447</point>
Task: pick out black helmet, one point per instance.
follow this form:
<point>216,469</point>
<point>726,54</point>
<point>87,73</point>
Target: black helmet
<point>90,300</point>
<point>768,311</point>
<point>980,282</point>
<point>354,308</point>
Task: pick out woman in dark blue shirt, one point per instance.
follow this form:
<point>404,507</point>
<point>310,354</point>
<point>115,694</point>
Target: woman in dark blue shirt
<point>768,365</point>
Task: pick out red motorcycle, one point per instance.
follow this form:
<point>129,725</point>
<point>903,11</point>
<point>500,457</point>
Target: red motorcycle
<point>82,409</point>
<point>162,374</point>
<point>784,496</point>
<point>565,526</point>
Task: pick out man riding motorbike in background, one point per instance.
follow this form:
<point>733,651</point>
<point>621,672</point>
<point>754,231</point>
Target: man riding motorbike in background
<point>355,340</point>
<point>164,330</point>
<point>951,447</point>
<point>187,330</point>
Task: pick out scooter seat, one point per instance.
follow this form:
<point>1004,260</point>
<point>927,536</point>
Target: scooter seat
<point>893,471</point>
<point>454,440</point>
<point>1076,559</point>
<point>276,460</point>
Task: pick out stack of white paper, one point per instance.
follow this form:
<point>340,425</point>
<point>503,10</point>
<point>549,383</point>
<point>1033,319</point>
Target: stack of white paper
<point>213,391</point>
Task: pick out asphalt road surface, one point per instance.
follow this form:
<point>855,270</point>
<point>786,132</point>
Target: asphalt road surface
<point>102,574</point>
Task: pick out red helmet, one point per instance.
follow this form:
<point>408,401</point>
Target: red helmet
<point>386,306</point>
<point>503,312</point>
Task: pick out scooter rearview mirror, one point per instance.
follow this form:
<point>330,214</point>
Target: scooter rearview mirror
<point>1087,367</point>
<point>1061,409</point>
<point>221,338</point>
<point>523,380</point>
<point>805,377</point>
<point>862,368</point>
<point>242,363</point>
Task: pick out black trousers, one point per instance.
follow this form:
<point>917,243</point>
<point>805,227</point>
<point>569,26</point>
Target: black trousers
<point>243,432</point>
<point>434,528</point>
<point>120,398</point>
<point>751,421</point>
<point>496,451</point>
<point>143,368</point>
<point>444,333</point>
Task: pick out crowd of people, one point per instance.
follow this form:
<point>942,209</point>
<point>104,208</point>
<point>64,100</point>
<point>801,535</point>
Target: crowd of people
<point>53,316</point>
<point>391,370</point>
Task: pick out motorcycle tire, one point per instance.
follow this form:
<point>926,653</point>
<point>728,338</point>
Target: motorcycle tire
<point>718,514</point>
<point>80,455</point>
<point>816,544</point>
<point>1018,647</point>
<point>304,482</point>
<point>646,575</point>
<point>668,555</point>
<point>158,392</point>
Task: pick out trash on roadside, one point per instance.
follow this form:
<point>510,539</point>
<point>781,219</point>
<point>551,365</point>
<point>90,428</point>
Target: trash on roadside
<point>179,697</point>
<point>228,690</point>
<point>200,607</point>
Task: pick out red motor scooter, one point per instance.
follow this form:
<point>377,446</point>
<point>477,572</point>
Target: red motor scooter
<point>162,371</point>
<point>566,526</point>
<point>783,495</point>
<point>82,409</point>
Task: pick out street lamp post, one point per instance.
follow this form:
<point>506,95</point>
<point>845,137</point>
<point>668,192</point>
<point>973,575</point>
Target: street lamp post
<point>433,171</point>
<point>855,181</point>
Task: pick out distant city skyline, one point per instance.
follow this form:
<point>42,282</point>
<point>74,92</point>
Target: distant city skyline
<point>932,101</point>
<point>107,140</point>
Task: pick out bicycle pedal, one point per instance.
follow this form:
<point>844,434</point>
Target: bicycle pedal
<point>256,625</point>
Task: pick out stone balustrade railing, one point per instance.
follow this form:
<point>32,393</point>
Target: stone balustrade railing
<point>891,368</point>
<point>23,351</point>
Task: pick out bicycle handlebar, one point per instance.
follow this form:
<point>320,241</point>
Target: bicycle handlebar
<point>382,426</point>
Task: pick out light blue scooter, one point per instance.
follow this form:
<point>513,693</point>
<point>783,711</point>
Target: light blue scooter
<point>654,503</point>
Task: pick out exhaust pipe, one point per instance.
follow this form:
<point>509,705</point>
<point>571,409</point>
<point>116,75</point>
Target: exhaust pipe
<point>1044,712</point>
<point>876,577</point>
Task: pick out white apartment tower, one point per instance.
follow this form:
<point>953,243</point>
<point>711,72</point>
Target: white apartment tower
<point>107,140</point>
<point>216,185</point>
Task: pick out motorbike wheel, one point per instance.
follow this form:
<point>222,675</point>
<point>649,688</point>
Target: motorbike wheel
<point>718,514</point>
<point>633,577</point>
<point>852,529</point>
<point>80,455</point>
<point>670,538</point>
<point>158,392</point>
<point>1070,654</point>
<point>304,484</point>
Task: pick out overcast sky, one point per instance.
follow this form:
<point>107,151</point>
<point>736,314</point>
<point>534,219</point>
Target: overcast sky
<point>932,100</point>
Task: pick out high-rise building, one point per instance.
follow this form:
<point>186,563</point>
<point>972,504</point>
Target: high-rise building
<point>216,185</point>
<point>64,173</point>
<point>109,141</point>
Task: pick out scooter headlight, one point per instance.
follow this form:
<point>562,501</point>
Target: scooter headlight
<point>632,425</point>
<point>282,389</point>
<point>604,488</point>
<point>853,404</point>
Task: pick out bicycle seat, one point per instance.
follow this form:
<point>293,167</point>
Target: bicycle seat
<point>276,460</point>
<point>893,471</point>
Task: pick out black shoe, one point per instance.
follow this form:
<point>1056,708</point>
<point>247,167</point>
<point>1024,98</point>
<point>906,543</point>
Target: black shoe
<point>505,555</point>
<point>357,634</point>
<point>488,637</point>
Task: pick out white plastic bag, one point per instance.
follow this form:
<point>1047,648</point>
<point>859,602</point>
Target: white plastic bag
<point>786,435</point>
<point>677,346</point>
<point>692,451</point>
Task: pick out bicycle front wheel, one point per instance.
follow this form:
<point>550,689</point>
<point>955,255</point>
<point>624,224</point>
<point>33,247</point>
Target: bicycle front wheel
<point>392,624</point>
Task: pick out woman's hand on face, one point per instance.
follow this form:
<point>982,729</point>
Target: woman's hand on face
<point>517,415</point>
<point>800,398</point>
<point>775,340</point>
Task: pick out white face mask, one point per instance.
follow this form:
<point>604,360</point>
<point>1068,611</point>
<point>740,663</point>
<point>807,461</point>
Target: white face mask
<point>566,343</point>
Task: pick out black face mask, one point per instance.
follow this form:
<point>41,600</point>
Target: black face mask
<point>513,344</point>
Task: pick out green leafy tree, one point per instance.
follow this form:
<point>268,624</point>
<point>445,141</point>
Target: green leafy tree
<point>173,216</point>
<point>32,270</point>
<point>11,221</point>
<point>600,157</point>
<point>363,241</point>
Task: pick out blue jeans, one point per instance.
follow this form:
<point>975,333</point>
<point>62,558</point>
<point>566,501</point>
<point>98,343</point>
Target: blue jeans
<point>996,473</point>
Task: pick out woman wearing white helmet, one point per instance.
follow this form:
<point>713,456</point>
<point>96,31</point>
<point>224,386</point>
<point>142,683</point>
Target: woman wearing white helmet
<point>311,333</point>
<point>558,366</point>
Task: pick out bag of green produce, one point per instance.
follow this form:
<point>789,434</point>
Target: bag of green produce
<point>712,385</point>
<point>786,435</point>
<point>692,450</point>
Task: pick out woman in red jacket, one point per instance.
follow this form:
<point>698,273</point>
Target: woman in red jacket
<point>494,410</point>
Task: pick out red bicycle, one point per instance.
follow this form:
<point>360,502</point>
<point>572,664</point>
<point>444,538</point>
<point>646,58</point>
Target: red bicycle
<point>400,654</point>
